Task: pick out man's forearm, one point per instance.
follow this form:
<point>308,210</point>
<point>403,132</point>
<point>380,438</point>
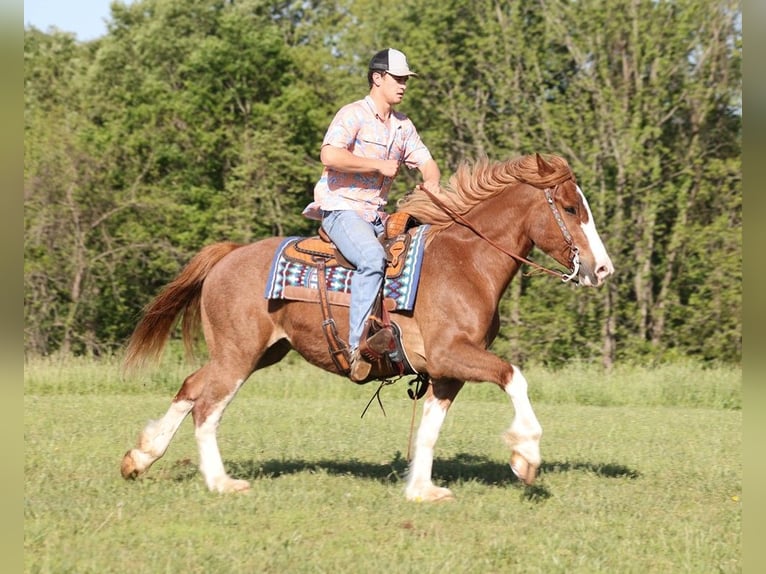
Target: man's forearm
<point>341,159</point>
<point>431,173</point>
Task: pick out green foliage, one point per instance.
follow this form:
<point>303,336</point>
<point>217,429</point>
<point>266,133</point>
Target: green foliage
<point>193,122</point>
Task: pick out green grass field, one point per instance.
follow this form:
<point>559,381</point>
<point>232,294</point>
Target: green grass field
<point>642,472</point>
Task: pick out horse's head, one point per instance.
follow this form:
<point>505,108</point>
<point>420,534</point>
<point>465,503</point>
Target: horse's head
<point>552,214</point>
<point>566,231</point>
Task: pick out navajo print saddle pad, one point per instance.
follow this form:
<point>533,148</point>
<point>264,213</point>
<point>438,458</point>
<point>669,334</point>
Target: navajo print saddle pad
<point>295,279</point>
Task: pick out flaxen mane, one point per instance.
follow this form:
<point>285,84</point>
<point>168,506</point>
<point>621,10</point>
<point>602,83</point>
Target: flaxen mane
<point>474,182</point>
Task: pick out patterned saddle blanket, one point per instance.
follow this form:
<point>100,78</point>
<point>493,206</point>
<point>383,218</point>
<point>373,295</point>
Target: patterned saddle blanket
<point>293,273</point>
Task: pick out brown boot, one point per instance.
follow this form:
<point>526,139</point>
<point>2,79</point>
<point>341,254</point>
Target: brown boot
<point>360,368</point>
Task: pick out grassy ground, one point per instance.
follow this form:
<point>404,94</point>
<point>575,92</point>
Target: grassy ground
<point>642,473</point>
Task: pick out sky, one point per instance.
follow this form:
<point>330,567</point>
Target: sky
<point>86,18</point>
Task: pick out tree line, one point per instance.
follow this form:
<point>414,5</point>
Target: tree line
<point>195,121</point>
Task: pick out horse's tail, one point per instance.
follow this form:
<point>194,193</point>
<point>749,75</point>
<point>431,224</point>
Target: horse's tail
<point>182,295</point>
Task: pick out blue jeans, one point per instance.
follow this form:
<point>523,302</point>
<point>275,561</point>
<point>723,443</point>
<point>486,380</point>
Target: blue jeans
<point>357,240</point>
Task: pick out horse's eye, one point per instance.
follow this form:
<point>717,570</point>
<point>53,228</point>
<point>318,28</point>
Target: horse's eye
<point>571,210</point>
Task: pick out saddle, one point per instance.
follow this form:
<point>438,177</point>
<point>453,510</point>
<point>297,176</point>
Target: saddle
<point>320,252</point>
<point>395,240</point>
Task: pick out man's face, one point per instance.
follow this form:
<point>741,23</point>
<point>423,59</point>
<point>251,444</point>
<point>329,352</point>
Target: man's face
<point>393,87</point>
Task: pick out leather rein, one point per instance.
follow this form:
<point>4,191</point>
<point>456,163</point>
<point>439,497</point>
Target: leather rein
<point>575,256</point>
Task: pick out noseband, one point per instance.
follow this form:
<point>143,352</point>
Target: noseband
<point>573,250</point>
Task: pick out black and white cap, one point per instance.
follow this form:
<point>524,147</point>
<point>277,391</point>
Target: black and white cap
<point>392,61</point>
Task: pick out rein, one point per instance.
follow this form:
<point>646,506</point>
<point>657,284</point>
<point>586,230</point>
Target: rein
<point>556,215</point>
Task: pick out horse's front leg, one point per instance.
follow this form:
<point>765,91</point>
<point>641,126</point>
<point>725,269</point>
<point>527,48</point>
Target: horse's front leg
<point>438,400</point>
<point>525,431</point>
<point>471,364</point>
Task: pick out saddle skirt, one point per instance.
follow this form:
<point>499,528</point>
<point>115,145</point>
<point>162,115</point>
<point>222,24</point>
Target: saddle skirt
<point>293,273</point>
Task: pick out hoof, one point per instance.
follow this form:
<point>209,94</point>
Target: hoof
<point>431,494</point>
<point>525,472</point>
<point>129,468</point>
<point>231,485</point>
<point>239,486</point>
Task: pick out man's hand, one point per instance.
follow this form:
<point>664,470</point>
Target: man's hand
<point>388,167</point>
<point>432,186</point>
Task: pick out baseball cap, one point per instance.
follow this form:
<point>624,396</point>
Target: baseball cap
<point>392,61</point>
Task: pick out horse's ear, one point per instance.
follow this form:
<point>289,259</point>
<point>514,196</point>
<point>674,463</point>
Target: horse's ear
<point>543,167</point>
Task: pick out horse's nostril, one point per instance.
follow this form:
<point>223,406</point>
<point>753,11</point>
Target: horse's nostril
<point>603,271</point>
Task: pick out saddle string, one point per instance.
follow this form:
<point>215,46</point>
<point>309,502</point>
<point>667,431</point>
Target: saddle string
<point>463,221</point>
<point>376,395</point>
<point>421,383</point>
<point>421,386</point>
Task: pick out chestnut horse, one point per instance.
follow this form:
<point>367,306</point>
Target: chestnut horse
<point>483,224</point>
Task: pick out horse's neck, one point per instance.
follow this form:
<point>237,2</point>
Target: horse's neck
<point>472,254</point>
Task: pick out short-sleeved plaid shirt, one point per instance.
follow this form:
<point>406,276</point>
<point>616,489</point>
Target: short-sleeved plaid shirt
<point>358,128</point>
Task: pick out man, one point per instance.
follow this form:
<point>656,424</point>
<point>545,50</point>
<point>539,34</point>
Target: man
<point>362,150</point>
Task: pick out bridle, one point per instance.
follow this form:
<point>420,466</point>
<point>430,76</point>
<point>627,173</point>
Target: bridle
<point>574,257</point>
<point>574,252</point>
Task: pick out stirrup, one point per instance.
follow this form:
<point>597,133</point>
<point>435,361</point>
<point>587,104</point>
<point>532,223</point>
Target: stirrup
<point>376,345</point>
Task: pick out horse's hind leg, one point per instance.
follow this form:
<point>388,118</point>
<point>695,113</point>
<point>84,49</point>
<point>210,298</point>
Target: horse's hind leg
<point>206,396</point>
<point>156,436</point>
<point>207,413</point>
